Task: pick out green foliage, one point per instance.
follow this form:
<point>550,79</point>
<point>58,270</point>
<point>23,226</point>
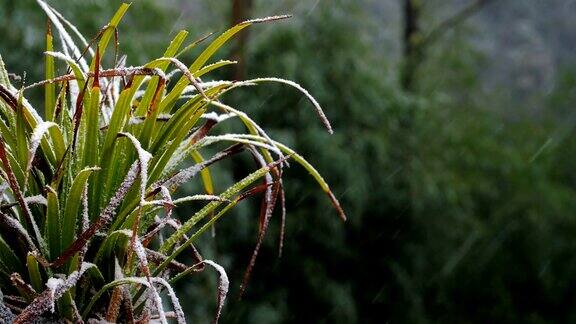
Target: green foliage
<point>87,192</point>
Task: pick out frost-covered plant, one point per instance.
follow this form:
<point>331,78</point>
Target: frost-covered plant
<point>86,196</point>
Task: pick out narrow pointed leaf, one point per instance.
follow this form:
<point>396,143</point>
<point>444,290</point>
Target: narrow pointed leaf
<point>53,226</point>
<point>73,203</point>
<point>49,88</point>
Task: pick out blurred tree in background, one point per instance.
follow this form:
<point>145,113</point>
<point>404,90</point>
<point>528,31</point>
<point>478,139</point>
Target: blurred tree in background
<point>476,225</point>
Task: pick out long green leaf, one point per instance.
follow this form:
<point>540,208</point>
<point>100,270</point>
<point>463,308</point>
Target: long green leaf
<point>170,99</point>
<point>34,272</point>
<point>226,195</point>
<point>73,203</point>
<point>21,148</point>
<point>110,29</point>
<point>205,173</point>
<point>53,227</point>
<point>49,88</point>
<point>92,128</point>
<point>151,89</point>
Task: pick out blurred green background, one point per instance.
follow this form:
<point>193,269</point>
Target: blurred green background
<point>452,154</point>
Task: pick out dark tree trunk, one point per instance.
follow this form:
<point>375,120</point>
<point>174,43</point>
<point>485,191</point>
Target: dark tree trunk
<point>415,41</point>
<point>411,44</point>
<point>403,137</point>
<point>241,10</point>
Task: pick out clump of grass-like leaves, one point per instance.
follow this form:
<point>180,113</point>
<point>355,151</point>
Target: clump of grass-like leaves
<point>86,196</point>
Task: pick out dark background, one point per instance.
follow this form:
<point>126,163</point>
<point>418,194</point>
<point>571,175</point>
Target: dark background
<point>453,153</point>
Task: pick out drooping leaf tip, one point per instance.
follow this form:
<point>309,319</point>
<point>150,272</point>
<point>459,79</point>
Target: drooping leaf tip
<point>337,205</point>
